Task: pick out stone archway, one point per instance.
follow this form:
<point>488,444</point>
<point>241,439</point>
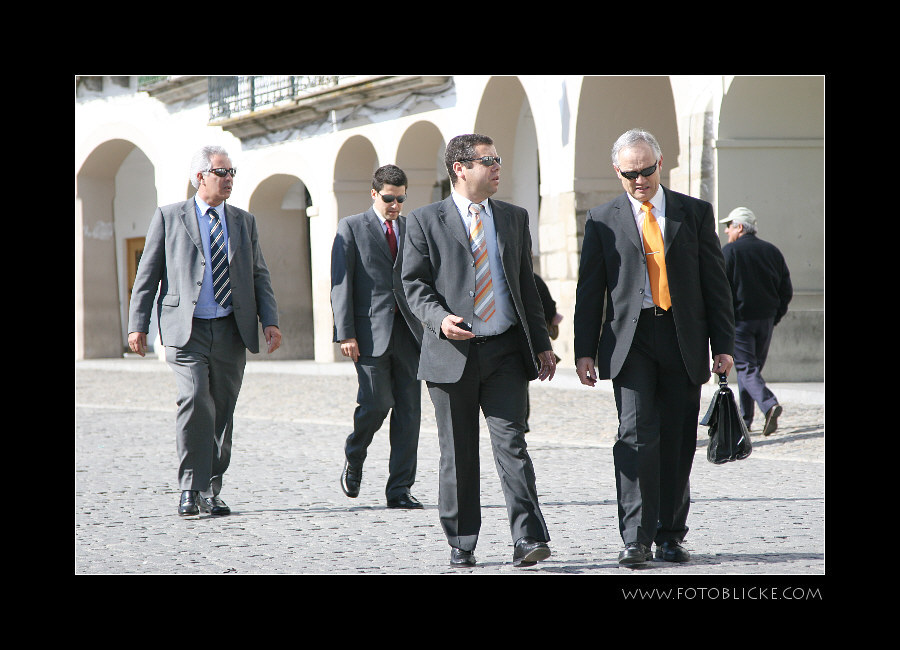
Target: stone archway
<point>279,204</point>
<point>115,197</point>
<point>420,155</point>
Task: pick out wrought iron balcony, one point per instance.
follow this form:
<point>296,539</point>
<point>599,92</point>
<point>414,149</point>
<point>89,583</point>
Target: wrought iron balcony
<point>234,96</point>
<point>253,106</point>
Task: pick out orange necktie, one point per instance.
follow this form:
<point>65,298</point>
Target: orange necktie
<point>656,258</point>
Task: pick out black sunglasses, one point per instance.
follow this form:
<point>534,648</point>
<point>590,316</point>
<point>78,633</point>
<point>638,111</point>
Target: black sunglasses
<point>647,171</point>
<point>390,198</point>
<point>221,172</point>
<point>487,161</point>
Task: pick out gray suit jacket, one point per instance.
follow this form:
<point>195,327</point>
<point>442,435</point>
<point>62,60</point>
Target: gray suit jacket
<point>439,279</point>
<point>173,262</point>
<point>366,287</point>
<point>611,285</point>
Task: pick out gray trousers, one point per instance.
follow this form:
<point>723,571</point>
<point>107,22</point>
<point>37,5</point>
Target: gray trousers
<point>494,380</point>
<point>654,451</point>
<point>209,371</point>
<point>388,384</point>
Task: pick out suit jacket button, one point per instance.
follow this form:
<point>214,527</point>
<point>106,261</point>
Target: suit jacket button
<point>472,294</point>
<point>634,320</point>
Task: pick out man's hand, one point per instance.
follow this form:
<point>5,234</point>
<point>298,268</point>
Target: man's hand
<point>137,341</point>
<point>273,338</point>
<point>451,331</point>
<point>548,365</point>
<point>350,348</point>
<point>722,364</point>
<point>587,373</point>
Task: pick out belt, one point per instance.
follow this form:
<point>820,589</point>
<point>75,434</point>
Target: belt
<point>656,310</point>
<point>479,340</point>
<point>210,320</point>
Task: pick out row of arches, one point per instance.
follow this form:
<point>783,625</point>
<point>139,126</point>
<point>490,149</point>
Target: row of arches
<point>554,136</point>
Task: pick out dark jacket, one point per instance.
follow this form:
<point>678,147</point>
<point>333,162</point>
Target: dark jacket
<point>759,277</point>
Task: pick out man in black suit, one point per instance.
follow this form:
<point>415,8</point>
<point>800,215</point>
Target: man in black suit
<point>376,329</point>
<point>761,284</point>
<point>649,305</point>
<point>468,276</point>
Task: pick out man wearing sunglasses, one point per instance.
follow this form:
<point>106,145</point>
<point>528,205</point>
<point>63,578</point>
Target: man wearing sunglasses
<point>762,288</point>
<point>479,352</point>
<point>650,304</point>
<point>378,332</point>
<point>203,257</point>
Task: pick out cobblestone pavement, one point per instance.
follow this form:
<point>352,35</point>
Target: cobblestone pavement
<point>763,516</point>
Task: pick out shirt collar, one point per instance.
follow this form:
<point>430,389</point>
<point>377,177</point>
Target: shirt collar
<point>462,204</point>
<point>658,202</point>
<point>203,206</point>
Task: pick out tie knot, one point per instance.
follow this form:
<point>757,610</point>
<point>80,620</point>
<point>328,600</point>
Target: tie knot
<point>212,213</point>
<point>387,223</point>
<point>475,208</point>
<point>646,206</point>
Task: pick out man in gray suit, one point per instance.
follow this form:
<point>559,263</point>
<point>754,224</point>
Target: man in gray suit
<point>205,261</point>
<point>376,329</point>
<point>468,276</point>
<point>650,303</point>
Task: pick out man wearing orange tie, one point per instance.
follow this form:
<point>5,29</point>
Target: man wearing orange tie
<point>652,299</point>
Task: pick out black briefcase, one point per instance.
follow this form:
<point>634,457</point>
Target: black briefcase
<point>729,439</point>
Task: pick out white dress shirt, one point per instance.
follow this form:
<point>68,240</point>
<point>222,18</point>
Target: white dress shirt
<point>659,211</point>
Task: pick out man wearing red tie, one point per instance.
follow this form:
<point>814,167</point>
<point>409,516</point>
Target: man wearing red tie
<point>376,329</point>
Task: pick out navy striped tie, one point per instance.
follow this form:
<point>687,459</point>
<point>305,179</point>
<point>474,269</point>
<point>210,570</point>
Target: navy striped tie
<point>219,260</point>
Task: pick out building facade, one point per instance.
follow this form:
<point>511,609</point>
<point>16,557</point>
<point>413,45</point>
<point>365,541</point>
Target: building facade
<point>305,148</point>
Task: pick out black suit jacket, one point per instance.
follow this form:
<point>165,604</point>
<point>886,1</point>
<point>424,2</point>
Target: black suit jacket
<point>366,288</point>
<point>610,289</point>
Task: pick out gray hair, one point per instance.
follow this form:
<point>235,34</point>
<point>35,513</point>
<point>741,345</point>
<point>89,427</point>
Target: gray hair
<point>632,138</point>
<point>201,161</point>
<point>749,228</point>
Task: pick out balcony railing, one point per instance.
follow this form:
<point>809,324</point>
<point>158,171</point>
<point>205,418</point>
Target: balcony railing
<point>233,96</point>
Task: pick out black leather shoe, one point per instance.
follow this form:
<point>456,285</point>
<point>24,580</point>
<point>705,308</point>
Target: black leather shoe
<point>351,478</point>
<point>406,501</point>
<point>213,505</point>
<point>635,553</point>
<point>188,503</point>
<point>529,551</point>
<point>672,552</point>
<point>772,420</point>
<point>460,558</point>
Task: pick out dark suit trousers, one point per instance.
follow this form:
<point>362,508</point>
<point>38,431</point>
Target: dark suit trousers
<point>494,379</point>
<point>209,371</point>
<point>658,408</point>
<point>388,383</point>
<point>751,347</point>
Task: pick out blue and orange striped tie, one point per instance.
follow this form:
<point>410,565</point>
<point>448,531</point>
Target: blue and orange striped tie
<point>219,260</point>
<point>484,288</point>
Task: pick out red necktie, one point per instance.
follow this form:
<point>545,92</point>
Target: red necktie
<point>392,239</point>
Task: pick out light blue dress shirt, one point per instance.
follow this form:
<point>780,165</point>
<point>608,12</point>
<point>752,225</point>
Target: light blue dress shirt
<point>206,306</point>
<point>504,316</point>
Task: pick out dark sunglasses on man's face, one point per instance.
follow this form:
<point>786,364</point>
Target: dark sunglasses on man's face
<point>487,161</point>
<point>221,172</point>
<point>390,198</point>
<point>647,171</point>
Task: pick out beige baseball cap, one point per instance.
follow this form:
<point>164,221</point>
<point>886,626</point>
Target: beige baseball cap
<point>741,215</point>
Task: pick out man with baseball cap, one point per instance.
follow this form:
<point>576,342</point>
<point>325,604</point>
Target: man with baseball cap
<point>761,287</point>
